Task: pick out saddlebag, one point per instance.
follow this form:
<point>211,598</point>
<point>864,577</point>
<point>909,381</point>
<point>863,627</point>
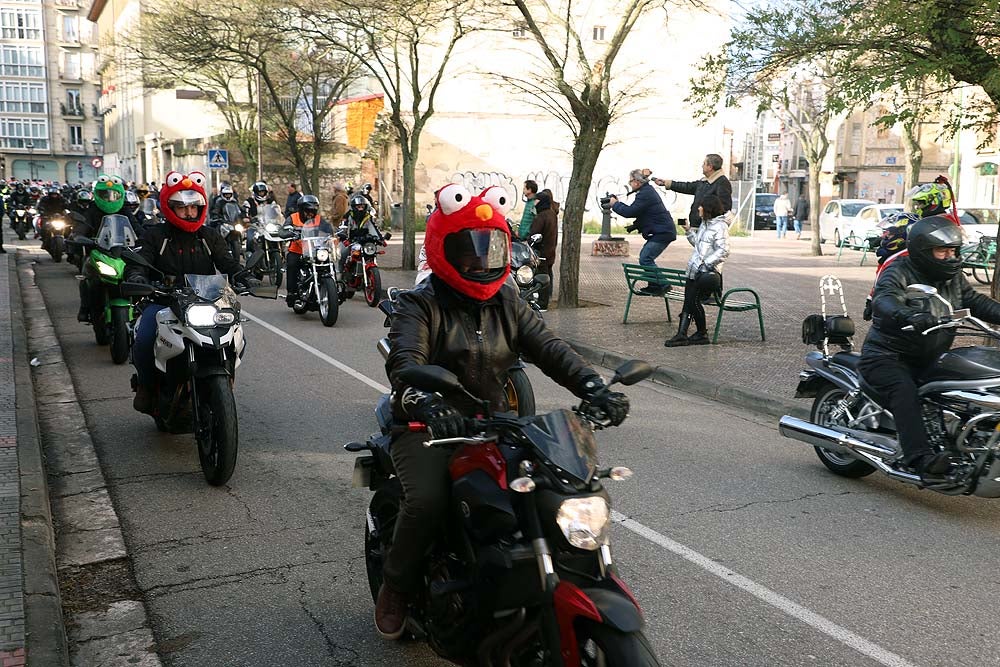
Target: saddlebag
<point>836,329</point>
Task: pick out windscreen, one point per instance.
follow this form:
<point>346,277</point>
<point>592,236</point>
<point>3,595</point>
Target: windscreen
<point>560,437</point>
<point>271,213</point>
<point>115,230</point>
<point>208,288</point>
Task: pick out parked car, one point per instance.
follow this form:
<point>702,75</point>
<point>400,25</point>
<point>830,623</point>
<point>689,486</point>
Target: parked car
<point>763,211</point>
<point>977,222</point>
<point>840,217</point>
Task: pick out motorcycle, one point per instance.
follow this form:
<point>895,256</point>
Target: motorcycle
<point>112,314</point>
<point>520,394</point>
<point>54,231</point>
<point>270,238</point>
<point>360,270</point>
<point>22,221</point>
<point>317,286</point>
<point>232,229</point>
<point>524,270</point>
<point>199,345</point>
<point>853,433</point>
<point>523,574</point>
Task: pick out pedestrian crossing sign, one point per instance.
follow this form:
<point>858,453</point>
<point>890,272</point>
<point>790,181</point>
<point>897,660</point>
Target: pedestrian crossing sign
<point>218,158</point>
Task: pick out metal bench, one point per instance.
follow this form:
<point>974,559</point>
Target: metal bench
<point>676,279</point>
<point>855,242</point>
<point>980,258</point>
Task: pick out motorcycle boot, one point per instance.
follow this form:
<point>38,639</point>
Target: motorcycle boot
<point>390,613</point>
<point>931,466</point>
<point>680,338</point>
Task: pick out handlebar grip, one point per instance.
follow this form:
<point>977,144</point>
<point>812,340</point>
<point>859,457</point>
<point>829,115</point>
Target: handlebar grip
<point>408,427</point>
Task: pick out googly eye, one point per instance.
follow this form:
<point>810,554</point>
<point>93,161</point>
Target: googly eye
<point>452,198</point>
<point>498,198</point>
<point>116,180</point>
<point>173,178</point>
<point>198,178</point>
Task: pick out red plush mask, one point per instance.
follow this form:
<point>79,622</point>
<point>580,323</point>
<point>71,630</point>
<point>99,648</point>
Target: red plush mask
<point>189,188</point>
<point>476,225</point>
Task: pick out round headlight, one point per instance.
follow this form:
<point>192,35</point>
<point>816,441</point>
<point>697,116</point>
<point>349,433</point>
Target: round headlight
<point>224,318</point>
<point>239,228</point>
<point>524,275</point>
<point>271,228</point>
<point>585,521</point>
<point>106,269</point>
<point>200,315</point>
<point>369,248</point>
<point>57,224</point>
<point>322,255</point>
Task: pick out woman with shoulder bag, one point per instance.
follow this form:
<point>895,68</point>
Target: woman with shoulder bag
<point>704,270</point>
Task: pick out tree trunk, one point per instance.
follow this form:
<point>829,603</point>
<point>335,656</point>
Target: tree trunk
<point>815,167</point>
<point>914,155</point>
<point>409,200</point>
<point>585,153</point>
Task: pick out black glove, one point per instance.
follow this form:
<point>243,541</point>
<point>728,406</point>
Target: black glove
<point>442,420</point>
<point>631,228</point>
<point>613,404</point>
<point>921,321</point>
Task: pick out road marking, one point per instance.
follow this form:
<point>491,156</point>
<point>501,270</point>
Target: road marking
<point>780,602</point>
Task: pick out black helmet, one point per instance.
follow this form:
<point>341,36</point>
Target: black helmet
<point>936,231</point>
<point>260,191</point>
<point>131,201</point>
<point>53,191</point>
<point>84,197</point>
<point>308,207</point>
<point>359,207</point>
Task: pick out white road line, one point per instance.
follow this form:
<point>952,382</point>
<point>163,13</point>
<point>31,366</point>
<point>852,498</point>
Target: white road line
<point>780,602</point>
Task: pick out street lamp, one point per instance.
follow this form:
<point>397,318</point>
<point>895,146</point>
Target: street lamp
<point>30,145</point>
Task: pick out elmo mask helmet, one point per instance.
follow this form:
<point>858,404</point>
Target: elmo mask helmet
<point>182,190</point>
<point>468,240</point>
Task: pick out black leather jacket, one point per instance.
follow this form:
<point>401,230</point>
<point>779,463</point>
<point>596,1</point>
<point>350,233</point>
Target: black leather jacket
<point>890,309</point>
<point>478,341</point>
<point>176,252</point>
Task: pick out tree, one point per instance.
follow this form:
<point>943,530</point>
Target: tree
<point>576,89</point>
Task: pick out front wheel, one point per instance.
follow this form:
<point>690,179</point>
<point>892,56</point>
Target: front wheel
<point>56,248</point>
<point>602,646</point>
<point>520,394</point>
<point>373,290</point>
<point>219,440</point>
<point>119,334</point>
<point>275,268</point>
<point>329,304</point>
<point>822,415</point>
<point>22,231</point>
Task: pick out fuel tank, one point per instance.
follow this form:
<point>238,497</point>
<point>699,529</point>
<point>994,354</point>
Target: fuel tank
<point>964,363</point>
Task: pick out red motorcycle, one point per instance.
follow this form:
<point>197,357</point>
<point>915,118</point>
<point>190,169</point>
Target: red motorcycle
<point>359,269</point>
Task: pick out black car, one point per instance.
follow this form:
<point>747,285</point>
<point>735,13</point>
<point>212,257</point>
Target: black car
<point>763,211</point>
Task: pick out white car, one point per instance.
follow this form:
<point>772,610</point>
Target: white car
<point>839,219</point>
<point>978,222</point>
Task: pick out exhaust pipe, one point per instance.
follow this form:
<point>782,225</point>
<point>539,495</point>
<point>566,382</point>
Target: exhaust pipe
<point>835,441</point>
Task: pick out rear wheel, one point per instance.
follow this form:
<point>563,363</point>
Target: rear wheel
<point>822,414</point>
<point>520,394</point>
<point>379,527</point>
<point>329,304</point>
<point>119,334</point>
<point>219,441</point>
<point>602,646</point>
<point>373,290</point>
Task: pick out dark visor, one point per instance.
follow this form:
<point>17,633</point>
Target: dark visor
<point>477,249</point>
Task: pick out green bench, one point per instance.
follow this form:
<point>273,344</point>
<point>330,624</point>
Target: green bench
<point>980,257</point>
<point>855,242</point>
<point>676,278</point>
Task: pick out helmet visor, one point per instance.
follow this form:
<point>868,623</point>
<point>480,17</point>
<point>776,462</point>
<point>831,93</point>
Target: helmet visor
<point>110,194</point>
<point>186,198</point>
<point>477,251</point>
<point>949,237</point>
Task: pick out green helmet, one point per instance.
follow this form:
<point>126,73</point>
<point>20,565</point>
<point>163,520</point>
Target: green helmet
<point>927,200</point>
<point>109,193</point>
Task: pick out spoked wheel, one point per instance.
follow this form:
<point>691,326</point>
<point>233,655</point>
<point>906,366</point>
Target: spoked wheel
<point>373,290</point>
<point>822,414</point>
<point>982,274</point>
<point>329,303</point>
<point>218,443</point>
<point>520,394</point>
<point>119,334</point>
<point>603,646</point>
<point>379,527</point>
<point>276,273</point>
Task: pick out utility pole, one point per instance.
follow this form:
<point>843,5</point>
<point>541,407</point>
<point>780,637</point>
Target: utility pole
<point>260,134</point>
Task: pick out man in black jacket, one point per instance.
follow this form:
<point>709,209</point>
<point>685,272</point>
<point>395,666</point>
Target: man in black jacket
<point>714,183</point>
<point>467,320</point>
<point>182,246</point>
<point>892,358</point>
<point>652,219</point>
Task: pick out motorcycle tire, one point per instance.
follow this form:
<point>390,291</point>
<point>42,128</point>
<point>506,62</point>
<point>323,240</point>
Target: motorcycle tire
<point>236,250</point>
<point>601,645</point>
<point>520,394</point>
<point>329,302</point>
<point>101,334</point>
<point>119,334</point>
<point>383,509</point>
<point>22,232</point>
<point>56,248</point>
<point>218,455</point>
<point>840,464</point>
<point>373,290</point>
<point>276,270</point>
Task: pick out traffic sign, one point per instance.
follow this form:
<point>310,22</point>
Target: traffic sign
<point>218,158</point>
<point>97,163</point>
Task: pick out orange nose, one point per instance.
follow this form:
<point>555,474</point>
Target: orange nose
<point>187,182</point>
<point>109,184</point>
<point>484,212</point>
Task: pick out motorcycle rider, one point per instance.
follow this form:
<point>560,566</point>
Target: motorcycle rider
<point>182,246</point>
<point>260,194</point>
<point>467,320</point>
<point>358,224</point>
<point>226,195</point>
<point>891,358</point>
<point>307,216</point>
<point>19,199</point>
<point>50,205</point>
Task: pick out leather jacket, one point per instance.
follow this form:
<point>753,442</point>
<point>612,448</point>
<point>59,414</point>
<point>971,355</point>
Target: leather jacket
<point>176,252</point>
<point>711,246</point>
<point>478,341</point>
<point>890,308</point>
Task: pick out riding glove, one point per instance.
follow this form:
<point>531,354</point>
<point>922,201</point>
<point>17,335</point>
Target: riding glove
<point>921,321</point>
<point>442,420</point>
<point>613,404</point>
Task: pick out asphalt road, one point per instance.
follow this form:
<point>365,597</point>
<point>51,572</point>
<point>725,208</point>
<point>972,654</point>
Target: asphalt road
<point>741,547</point>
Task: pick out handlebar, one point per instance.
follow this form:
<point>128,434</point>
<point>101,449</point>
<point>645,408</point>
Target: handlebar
<point>958,319</point>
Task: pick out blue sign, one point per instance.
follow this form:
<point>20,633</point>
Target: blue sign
<point>218,158</point>
<point>888,160</point>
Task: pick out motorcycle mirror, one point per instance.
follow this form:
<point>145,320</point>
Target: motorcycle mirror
<point>136,289</point>
<point>542,279</point>
<point>632,371</point>
<point>264,291</point>
<point>431,378</point>
<point>387,235</point>
<point>535,238</point>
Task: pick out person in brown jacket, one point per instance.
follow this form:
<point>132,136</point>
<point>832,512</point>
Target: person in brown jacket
<point>339,203</point>
<point>546,224</point>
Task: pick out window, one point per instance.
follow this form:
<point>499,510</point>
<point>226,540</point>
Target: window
<point>70,33</point>
<point>855,139</point>
<point>20,23</point>
<point>70,66</point>
<point>22,97</point>
<point>22,61</point>
<point>520,31</point>
<point>73,98</point>
<point>87,65</point>
<point>598,33</point>
<point>76,137</point>
<point>17,132</point>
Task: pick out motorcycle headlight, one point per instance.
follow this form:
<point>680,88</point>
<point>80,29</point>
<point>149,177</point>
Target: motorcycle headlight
<point>524,275</point>
<point>222,317</point>
<point>322,255</point>
<point>57,224</point>
<point>239,228</point>
<point>271,228</point>
<point>369,249</point>
<point>20,212</point>
<point>201,315</point>
<point>106,269</point>
<point>585,521</point>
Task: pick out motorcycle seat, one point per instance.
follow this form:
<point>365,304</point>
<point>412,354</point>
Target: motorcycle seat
<point>849,360</point>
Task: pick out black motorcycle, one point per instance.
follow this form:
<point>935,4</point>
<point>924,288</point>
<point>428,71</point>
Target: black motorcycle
<point>55,229</point>
<point>524,263</point>
<point>854,434</point>
<point>317,286</point>
<point>268,237</point>
<point>360,266</point>
<point>231,228</point>
<point>522,573</point>
<point>21,222</point>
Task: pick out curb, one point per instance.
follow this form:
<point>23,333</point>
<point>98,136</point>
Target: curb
<point>765,404</point>
<point>45,634</point>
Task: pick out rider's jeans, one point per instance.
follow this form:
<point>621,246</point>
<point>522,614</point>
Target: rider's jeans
<point>893,378</point>
<point>292,261</point>
<point>423,474</point>
<point>142,349</point>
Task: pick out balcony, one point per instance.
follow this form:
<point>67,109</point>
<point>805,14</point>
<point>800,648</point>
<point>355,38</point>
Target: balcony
<point>67,4</point>
<point>71,111</point>
<point>71,74</point>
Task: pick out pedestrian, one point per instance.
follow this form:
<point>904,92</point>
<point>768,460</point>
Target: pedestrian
<point>292,203</point>
<point>546,223</point>
<point>713,183</point>
<point>704,270</point>
<point>653,221</point>
<point>340,204</point>
<point>530,190</point>
<point>782,207</point>
<point>801,213</point>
